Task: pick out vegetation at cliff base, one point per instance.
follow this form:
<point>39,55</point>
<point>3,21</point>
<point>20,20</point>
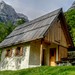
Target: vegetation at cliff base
<point>7,28</point>
<point>70,18</point>
<point>59,70</point>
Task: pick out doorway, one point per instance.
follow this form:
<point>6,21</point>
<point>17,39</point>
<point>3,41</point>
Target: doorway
<point>43,57</point>
<point>52,56</point>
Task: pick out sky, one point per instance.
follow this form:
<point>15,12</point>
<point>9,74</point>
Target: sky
<point>36,8</point>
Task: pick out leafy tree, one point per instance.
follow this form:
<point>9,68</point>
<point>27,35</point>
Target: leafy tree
<point>20,21</point>
<point>70,18</point>
<point>3,31</point>
<point>7,28</point>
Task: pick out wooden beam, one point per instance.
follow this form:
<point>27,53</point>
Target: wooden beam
<point>41,49</point>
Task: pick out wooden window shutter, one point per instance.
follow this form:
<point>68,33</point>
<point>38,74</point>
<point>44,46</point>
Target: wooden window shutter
<point>16,52</point>
<point>21,51</point>
<point>57,33</point>
<point>8,53</point>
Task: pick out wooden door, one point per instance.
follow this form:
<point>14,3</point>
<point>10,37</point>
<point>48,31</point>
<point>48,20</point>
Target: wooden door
<point>52,56</point>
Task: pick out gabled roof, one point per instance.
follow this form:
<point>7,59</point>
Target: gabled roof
<point>32,30</point>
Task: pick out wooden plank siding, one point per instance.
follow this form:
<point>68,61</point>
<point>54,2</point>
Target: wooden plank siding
<point>62,52</point>
<point>65,30</point>
<point>56,35</point>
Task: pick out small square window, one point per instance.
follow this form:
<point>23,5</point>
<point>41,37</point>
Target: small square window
<point>19,51</point>
<point>8,53</point>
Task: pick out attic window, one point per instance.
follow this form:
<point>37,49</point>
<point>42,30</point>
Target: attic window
<point>19,51</point>
<point>8,53</point>
<point>57,32</point>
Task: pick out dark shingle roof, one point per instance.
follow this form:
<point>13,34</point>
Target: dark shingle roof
<point>33,30</point>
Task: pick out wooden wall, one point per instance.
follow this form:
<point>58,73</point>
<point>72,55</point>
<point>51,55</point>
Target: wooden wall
<point>45,54</point>
<point>55,34</point>
<point>62,52</point>
<point>38,54</point>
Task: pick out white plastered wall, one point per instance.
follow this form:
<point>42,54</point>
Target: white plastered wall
<point>25,59</point>
<point>34,56</point>
<point>15,62</point>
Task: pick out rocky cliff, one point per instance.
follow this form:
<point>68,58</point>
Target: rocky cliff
<point>7,13</point>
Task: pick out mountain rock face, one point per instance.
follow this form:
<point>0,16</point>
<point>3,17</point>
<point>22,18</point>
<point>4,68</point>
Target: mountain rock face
<point>7,13</point>
<point>23,16</point>
<point>73,6</point>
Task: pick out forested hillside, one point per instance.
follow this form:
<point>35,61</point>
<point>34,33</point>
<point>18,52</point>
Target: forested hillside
<point>70,18</point>
<point>7,28</point>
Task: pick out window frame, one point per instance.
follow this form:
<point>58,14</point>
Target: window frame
<point>8,52</point>
<point>19,52</point>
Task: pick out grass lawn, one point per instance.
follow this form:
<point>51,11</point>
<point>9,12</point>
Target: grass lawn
<point>44,70</point>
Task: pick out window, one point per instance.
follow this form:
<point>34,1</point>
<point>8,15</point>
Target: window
<point>57,32</point>
<point>8,53</point>
<point>19,51</point>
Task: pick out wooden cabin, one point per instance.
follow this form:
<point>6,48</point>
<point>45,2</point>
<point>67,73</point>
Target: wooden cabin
<point>42,41</point>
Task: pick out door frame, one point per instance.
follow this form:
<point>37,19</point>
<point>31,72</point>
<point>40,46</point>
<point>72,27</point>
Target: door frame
<point>50,55</point>
<point>43,57</point>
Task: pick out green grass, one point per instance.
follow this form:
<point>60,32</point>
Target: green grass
<point>45,70</point>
